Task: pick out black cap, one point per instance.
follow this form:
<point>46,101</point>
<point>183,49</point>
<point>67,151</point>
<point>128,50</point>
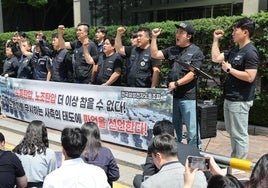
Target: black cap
<point>186,26</point>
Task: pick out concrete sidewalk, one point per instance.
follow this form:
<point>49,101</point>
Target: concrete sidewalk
<point>130,159</point>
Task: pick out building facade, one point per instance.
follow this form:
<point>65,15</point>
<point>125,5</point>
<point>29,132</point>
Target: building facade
<point>132,12</point>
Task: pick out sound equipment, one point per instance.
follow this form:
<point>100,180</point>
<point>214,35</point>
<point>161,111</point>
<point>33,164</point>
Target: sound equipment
<point>207,118</point>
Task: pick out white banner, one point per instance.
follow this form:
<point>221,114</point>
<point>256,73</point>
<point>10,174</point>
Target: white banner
<point>125,115</point>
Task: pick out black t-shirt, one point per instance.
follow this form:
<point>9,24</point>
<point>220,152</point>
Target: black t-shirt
<point>107,66</point>
<point>11,67</point>
<point>140,66</point>
<point>177,57</point>
<point>241,59</point>
<point>62,68</point>
<point>25,69</point>
<point>10,169</point>
<point>82,70</point>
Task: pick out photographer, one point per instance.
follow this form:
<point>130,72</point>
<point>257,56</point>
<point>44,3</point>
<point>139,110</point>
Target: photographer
<point>218,177</point>
<point>164,151</point>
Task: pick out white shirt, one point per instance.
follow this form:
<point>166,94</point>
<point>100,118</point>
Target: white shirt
<point>75,173</point>
<point>39,166</point>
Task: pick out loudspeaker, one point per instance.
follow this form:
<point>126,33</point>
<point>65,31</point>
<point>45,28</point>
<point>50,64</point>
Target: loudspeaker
<point>207,119</point>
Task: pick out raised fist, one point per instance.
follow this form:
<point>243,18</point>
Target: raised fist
<point>121,30</point>
<point>156,32</point>
<point>218,33</point>
<point>61,28</point>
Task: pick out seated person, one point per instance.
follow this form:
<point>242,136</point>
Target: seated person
<point>98,155</point>
<point>164,151</point>
<point>38,160</point>
<point>11,170</point>
<point>218,177</point>
<point>149,169</point>
<point>74,172</point>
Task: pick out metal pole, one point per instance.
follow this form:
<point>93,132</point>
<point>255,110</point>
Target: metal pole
<point>236,163</point>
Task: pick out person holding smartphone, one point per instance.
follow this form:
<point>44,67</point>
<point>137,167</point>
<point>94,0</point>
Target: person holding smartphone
<point>164,151</point>
<point>218,178</point>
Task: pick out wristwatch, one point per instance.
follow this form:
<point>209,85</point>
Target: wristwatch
<point>228,70</point>
<point>176,84</point>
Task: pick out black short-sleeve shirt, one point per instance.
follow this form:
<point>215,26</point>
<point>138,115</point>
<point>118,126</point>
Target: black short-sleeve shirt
<point>140,66</point>
<point>107,66</point>
<point>82,70</point>
<point>11,67</point>
<point>62,68</point>
<point>10,169</point>
<point>241,59</point>
<point>178,57</point>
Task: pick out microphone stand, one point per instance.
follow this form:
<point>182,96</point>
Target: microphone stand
<point>197,73</point>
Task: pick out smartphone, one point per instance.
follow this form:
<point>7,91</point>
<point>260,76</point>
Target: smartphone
<point>198,162</point>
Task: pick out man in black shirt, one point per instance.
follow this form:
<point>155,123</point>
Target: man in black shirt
<point>62,69</point>
<point>144,71</point>
<point>82,48</point>
<point>181,78</point>
<point>11,64</point>
<point>240,65</point>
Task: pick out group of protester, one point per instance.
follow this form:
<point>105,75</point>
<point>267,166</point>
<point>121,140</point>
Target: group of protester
<point>88,164</point>
<point>102,63</point>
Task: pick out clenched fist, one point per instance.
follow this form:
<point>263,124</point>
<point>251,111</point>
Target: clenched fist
<point>61,28</point>
<point>218,34</point>
<point>121,30</point>
<point>156,32</point>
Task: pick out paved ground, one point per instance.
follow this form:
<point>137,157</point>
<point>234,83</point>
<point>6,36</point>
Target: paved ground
<point>129,159</point>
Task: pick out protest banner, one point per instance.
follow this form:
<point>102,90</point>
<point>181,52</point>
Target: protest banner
<point>125,115</point>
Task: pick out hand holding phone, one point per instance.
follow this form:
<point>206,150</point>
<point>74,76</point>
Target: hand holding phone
<point>198,162</point>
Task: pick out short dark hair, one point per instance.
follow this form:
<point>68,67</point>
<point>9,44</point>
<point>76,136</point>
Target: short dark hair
<point>22,34</point>
<point>84,24</point>
<point>163,126</point>
<point>12,46</point>
<point>259,174</point>
<point>102,29</point>
<point>56,35</point>
<point>2,137</point>
<point>111,39</point>
<point>146,30</point>
<point>245,24</point>
<point>73,141</point>
<point>165,144</point>
<point>224,181</point>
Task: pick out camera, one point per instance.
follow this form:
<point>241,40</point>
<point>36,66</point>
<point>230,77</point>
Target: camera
<point>198,162</point>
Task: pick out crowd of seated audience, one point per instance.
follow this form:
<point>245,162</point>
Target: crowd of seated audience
<point>88,164</point>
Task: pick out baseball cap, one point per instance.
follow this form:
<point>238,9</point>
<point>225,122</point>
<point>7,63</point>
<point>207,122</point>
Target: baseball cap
<point>186,26</point>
